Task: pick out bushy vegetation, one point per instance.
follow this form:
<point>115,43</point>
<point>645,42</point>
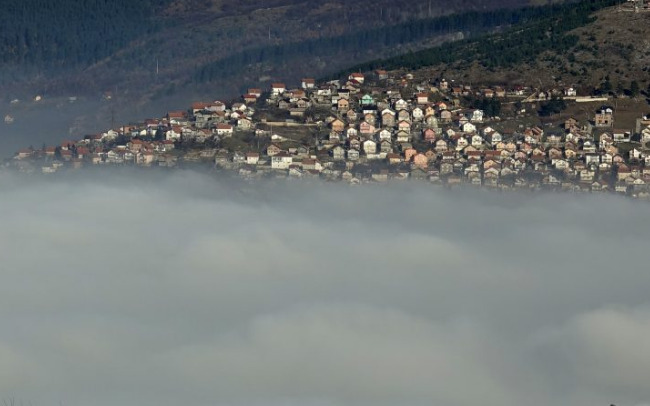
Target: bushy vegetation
<point>48,34</point>
<point>554,106</point>
<point>490,106</point>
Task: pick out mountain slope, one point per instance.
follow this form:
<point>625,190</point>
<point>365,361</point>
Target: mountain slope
<point>592,45</point>
<point>186,50</point>
<point>145,45</point>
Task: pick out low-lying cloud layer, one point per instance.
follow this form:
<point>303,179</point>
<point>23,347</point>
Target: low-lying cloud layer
<point>186,290</point>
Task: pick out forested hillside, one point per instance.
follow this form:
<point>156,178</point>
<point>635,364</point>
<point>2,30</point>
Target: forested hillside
<point>468,23</point>
<point>521,44</point>
<point>161,46</point>
<point>70,33</point>
<point>154,55</point>
<point>594,45</point>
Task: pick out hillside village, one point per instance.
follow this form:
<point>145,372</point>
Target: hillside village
<point>380,127</point>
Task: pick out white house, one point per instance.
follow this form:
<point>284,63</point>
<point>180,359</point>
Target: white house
<point>224,129</point>
<point>338,153</point>
<point>560,164</point>
<point>385,135</point>
<point>645,135</point>
<point>621,136</point>
<point>588,147</point>
<point>278,89</point>
<point>308,83</point>
<point>401,104</point>
<point>592,157</point>
<point>461,143</point>
<point>469,128</point>
<point>495,138</point>
<point>359,77</point>
<point>252,158</point>
<point>281,160</point>
<point>417,113</point>
<point>173,134</point>
<point>369,147</point>
<point>403,136</point>
<point>476,116</point>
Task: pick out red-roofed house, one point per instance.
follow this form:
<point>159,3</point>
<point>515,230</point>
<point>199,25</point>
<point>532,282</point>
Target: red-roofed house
<point>224,129</point>
<point>83,152</point>
<point>278,88</point>
<point>252,158</point>
<point>249,98</point>
<point>24,153</point>
<point>357,76</point>
<point>198,106</point>
<point>176,115</point>
<point>135,144</point>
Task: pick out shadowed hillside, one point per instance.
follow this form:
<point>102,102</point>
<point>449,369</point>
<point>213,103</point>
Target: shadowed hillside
<point>153,47</point>
<point>163,54</point>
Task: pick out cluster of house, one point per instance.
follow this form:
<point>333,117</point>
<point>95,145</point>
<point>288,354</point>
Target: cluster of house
<point>375,130</point>
<point>152,142</point>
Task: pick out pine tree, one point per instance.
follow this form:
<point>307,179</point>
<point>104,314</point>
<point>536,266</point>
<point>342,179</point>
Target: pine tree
<point>634,88</point>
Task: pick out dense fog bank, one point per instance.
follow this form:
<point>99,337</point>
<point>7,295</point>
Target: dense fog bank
<point>176,288</point>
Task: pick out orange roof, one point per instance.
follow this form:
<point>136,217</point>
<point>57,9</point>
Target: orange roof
<point>199,105</point>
